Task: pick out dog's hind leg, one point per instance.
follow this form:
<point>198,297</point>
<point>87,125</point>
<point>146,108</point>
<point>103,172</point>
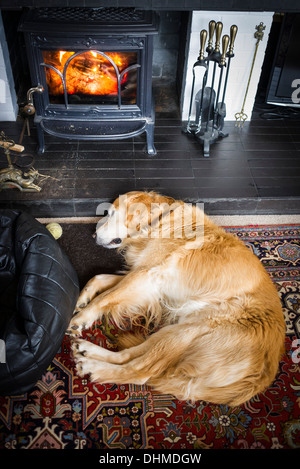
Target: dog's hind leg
<point>94,287</point>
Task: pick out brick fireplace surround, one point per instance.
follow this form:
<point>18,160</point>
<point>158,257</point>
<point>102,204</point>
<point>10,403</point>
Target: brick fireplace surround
<point>255,170</point>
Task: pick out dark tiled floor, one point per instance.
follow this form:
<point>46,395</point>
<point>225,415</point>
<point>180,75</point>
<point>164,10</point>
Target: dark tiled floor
<point>253,170</point>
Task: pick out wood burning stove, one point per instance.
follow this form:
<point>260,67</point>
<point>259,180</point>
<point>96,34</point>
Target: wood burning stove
<point>95,65</point>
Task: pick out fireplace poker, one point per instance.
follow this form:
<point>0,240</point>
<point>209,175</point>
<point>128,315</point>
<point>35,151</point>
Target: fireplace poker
<point>241,116</point>
<point>221,107</point>
<point>215,56</point>
<point>209,49</point>
<point>203,36</point>
<point>230,55</point>
<point>206,96</point>
<point>222,64</point>
<point>200,63</point>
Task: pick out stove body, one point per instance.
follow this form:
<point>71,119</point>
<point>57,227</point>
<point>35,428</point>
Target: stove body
<point>95,66</point>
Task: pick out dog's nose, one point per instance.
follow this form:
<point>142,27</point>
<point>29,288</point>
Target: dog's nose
<point>117,241</point>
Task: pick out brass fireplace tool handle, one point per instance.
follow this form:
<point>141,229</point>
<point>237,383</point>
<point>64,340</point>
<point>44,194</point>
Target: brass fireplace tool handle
<point>225,42</point>
<point>211,30</point>
<point>241,116</point>
<point>203,36</point>
<point>219,29</point>
<point>233,33</point>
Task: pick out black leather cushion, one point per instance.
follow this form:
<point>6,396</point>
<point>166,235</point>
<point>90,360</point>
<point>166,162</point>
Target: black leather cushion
<point>38,292</point>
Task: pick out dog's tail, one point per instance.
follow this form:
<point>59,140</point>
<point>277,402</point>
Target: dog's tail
<point>128,339</point>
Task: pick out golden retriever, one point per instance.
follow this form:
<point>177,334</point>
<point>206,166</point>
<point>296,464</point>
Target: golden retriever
<point>217,319</point>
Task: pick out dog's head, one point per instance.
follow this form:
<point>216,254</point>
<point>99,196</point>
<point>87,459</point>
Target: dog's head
<point>130,216</point>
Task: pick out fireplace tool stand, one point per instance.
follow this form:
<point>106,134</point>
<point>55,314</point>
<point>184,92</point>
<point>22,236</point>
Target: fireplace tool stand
<point>209,111</point>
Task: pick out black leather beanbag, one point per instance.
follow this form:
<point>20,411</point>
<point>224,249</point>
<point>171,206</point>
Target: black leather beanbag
<point>38,292</point>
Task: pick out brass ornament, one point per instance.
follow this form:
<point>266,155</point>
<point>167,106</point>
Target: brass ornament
<point>14,178</point>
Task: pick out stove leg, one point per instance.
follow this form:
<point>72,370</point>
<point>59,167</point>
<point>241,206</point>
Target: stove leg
<point>41,139</point>
<point>150,139</point>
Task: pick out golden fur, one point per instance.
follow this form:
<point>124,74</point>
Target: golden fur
<point>220,327</point>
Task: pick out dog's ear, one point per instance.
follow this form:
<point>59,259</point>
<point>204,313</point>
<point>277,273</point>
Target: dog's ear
<point>160,199</point>
<point>138,218</point>
<point>144,210</point>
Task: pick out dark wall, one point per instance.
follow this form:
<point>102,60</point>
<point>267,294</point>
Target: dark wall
<point>210,5</point>
<point>166,45</point>
<point>16,47</point>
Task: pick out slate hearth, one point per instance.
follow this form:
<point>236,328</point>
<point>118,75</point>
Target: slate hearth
<point>253,171</point>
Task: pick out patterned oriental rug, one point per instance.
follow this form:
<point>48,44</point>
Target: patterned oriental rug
<point>65,411</point>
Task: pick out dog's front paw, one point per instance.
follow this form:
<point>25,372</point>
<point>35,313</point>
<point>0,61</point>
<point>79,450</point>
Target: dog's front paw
<point>85,348</point>
<point>83,367</point>
<point>77,325</point>
<point>96,370</point>
<point>88,366</point>
<point>84,318</point>
<point>77,349</point>
<point>83,300</point>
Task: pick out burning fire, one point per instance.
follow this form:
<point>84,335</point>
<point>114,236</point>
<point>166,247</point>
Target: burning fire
<point>88,73</point>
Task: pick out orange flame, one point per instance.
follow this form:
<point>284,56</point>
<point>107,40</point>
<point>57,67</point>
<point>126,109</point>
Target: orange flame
<point>61,54</point>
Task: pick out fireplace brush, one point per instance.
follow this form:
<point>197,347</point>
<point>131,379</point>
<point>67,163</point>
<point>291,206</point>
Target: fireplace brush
<point>209,112</point>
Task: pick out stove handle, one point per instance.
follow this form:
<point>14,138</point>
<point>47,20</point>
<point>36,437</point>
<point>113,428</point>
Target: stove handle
<point>29,109</point>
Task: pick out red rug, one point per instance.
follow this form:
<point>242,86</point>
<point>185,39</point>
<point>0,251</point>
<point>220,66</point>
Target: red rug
<point>65,411</point>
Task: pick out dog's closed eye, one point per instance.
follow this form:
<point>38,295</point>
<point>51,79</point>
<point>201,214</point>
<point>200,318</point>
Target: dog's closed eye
<point>116,241</point>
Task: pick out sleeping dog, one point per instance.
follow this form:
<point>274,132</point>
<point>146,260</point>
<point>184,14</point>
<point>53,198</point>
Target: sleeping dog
<point>217,319</point>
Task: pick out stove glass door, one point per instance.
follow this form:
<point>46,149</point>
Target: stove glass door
<point>91,78</point>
